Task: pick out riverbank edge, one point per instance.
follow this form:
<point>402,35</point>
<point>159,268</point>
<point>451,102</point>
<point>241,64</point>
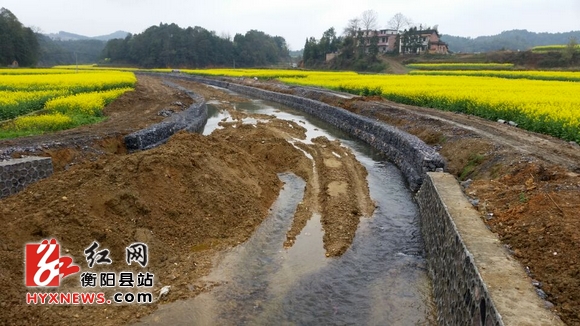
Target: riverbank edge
<point>406,151</point>
<point>475,279</point>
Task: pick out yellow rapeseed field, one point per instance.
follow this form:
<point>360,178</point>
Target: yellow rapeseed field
<point>461,66</point>
<point>550,107</point>
<point>13,104</point>
<point>511,74</point>
<point>84,103</point>
<point>74,83</point>
<point>47,122</point>
<point>70,98</point>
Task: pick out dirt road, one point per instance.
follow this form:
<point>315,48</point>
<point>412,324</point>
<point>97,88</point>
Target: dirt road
<point>198,195</point>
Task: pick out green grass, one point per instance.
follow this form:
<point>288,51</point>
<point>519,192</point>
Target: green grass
<point>552,48</point>
<point>77,120</point>
<point>474,160</point>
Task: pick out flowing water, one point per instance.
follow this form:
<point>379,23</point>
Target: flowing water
<point>380,280</point>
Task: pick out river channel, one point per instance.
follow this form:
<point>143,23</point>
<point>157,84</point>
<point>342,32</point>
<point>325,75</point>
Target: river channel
<point>380,280</point>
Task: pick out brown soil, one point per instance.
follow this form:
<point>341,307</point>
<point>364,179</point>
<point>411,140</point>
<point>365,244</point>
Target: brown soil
<point>188,200</point>
<point>131,112</point>
<point>211,192</point>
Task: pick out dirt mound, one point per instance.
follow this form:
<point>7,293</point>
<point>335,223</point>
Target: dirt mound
<point>534,209</point>
<point>187,199</point>
<point>194,193</point>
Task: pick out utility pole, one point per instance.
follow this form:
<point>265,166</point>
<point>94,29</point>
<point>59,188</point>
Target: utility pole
<point>400,43</point>
<point>76,62</point>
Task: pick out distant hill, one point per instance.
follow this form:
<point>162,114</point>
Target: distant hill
<point>66,36</point>
<point>515,40</point>
<point>64,48</point>
<point>296,54</point>
<point>59,52</point>
<point>112,36</point>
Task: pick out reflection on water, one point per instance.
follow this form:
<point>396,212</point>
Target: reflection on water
<point>380,280</point>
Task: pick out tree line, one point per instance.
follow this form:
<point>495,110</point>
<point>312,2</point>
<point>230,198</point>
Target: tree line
<point>166,45</point>
<point>169,45</point>
<point>17,42</point>
<point>514,40</point>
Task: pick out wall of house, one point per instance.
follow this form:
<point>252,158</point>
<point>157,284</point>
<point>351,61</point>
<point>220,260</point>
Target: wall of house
<point>433,38</point>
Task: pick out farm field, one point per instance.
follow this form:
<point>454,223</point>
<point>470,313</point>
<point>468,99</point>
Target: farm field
<point>548,107</point>
<point>552,48</point>
<point>509,74</point>
<point>34,101</point>
<point>461,66</point>
<point>499,158</point>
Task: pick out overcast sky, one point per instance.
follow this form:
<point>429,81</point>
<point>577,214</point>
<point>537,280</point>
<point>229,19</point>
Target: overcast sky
<point>295,20</point>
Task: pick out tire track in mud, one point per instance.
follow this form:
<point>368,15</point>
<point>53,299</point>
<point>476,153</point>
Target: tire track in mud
<point>336,185</point>
<point>550,149</point>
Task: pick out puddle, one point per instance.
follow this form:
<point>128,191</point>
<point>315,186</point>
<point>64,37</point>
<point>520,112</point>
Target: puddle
<point>214,117</point>
<point>380,280</point>
<point>217,115</point>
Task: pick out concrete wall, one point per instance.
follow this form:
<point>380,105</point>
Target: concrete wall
<point>192,119</point>
<point>16,174</point>
<point>408,152</point>
<point>475,280</point>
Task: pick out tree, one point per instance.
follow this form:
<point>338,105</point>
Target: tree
<point>400,22</point>
<point>570,50</point>
<point>360,41</point>
<point>17,43</point>
<point>369,20</point>
<point>353,27</point>
<point>171,46</point>
<point>412,41</point>
<point>311,54</point>
<point>329,41</point>
<point>374,47</point>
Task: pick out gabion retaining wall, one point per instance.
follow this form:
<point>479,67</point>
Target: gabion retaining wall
<point>459,291</point>
<point>411,155</point>
<point>475,282</point>
<point>192,119</point>
<point>16,174</point>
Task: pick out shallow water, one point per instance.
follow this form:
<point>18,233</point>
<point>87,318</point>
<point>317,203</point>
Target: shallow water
<point>380,280</point>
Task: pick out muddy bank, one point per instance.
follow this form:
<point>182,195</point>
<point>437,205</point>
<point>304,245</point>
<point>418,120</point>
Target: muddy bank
<point>407,151</point>
<point>336,184</point>
<point>187,199</point>
<point>192,119</point>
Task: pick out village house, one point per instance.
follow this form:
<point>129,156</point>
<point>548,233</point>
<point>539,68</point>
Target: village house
<point>423,40</point>
<point>414,41</point>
